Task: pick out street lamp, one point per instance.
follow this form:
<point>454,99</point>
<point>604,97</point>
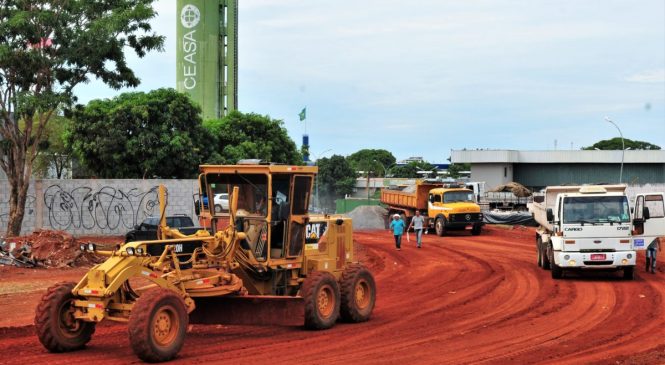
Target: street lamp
<point>623,148</point>
<point>318,203</point>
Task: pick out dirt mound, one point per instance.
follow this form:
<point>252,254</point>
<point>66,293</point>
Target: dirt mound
<point>368,217</point>
<point>55,249</point>
<point>512,187</point>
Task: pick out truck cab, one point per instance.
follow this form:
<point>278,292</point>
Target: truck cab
<point>454,208</point>
<point>591,228</point>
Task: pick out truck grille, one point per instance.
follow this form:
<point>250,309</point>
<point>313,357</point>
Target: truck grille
<point>599,263</point>
<point>465,217</point>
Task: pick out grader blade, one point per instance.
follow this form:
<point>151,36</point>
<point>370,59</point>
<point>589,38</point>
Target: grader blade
<point>249,310</point>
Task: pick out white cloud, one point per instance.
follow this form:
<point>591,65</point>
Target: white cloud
<point>648,76</point>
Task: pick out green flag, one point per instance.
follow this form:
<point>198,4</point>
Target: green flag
<point>303,114</point>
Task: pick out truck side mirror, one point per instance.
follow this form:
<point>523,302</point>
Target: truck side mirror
<point>550,215</point>
<point>645,213</point>
<point>632,210</point>
<point>197,207</point>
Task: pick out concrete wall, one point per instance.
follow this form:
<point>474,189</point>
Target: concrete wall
<point>97,206</point>
<point>493,174</point>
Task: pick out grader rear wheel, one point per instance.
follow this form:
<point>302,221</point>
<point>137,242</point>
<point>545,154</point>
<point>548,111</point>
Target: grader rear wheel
<point>57,329</point>
<point>322,300</point>
<point>157,325</point>
<point>358,294</point>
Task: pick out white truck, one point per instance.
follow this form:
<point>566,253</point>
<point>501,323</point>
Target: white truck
<point>590,227</point>
<point>500,200</point>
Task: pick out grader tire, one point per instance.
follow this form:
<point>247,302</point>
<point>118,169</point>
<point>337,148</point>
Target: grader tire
<point>56,327</point>
<point>358,294</point>
<point>157,325</point>
<point>322,300</point>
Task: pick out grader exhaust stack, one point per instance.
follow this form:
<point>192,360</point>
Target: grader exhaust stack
<point>264,261</point>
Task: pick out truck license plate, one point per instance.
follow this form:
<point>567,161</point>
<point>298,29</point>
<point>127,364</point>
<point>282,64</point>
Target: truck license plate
<point>598,257</point>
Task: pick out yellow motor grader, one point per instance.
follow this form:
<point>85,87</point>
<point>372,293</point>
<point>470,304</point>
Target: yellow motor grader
<point>272,263</point>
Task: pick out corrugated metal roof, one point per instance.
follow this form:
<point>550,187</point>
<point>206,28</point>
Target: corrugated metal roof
<point>563,156</point>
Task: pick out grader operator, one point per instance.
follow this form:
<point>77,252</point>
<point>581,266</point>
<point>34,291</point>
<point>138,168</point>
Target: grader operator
<point>272,262</point>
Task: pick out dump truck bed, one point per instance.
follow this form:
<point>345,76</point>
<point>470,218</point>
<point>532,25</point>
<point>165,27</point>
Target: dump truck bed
<point>416,199</point>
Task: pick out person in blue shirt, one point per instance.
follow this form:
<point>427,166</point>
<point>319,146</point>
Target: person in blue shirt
<point>397,226</point>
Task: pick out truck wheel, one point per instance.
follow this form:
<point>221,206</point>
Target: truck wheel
<point>157,325</point>
<point>539,254</point>
<point>322,300</point>
<point>629,272</point>
<point>477,228</point>
<point>57,329</point>
<point>545,255</point>
<point>358,294</point>
<point>440,226</point>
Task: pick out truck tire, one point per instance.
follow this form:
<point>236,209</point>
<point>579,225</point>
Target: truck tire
<point>477,228</point>
<point>538,253</point>
<point>57,329</point>
<point>545,255</point>
<point>358,291</point>
<point>629,272</point>
<point>557,271</point>
<point>440,226</point>
<point>322,300</point>
<point>157,325</point>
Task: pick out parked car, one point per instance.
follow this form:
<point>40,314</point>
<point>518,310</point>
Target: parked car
<point>147,230</point>
<point>221,202</point>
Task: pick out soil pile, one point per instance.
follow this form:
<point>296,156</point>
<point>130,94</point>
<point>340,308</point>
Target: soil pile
<point>512,187</point>
<point>368,217</point>
<point>54,249</point>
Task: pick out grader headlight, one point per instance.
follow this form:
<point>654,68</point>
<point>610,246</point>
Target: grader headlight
<point>130,251</point>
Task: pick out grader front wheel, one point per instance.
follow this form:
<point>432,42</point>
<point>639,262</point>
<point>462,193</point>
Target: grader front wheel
<point>321,294</point>
<point>157,325</point>
<point>57,329</point>
<point>358,294</point>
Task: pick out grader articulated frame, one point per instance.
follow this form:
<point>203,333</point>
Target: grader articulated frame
<point>271,264</point>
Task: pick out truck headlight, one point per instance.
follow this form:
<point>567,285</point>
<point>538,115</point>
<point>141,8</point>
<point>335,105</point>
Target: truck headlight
<point>139,251</point>
<point>630,255</point>
<point>567,257</point>
<point>92,247</point>
<point>82,247</point>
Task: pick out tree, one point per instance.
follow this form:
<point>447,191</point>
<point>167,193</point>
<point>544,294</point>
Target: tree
<point>251,136</point>
<point>53,153</point>
<point>47,47</point>
<point>615,144</point>
<point>455,169</point>
<point>378,161</point>
<point>336,179</point>
<point>137,135</point>
<point>411,169</point>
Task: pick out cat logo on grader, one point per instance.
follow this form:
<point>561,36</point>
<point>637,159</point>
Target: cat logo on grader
<point>256,270</point>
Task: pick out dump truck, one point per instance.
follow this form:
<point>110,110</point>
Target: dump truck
<point>445,207</point>
<point>590,227</point>
<point>272,263</point>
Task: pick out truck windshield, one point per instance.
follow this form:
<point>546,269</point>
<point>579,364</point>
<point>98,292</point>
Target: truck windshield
<point>458,196</point>
<point>595,209</point>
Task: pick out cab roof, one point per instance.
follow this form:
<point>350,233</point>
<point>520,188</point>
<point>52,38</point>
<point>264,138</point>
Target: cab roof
<point>258,169</point>
<point>444,190</point>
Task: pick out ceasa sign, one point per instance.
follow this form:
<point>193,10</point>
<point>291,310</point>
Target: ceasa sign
<point>190,17</point>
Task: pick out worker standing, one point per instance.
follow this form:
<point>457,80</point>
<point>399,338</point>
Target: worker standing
<point>417,223</point>
<point>397,226</point>
<point>652,253</point>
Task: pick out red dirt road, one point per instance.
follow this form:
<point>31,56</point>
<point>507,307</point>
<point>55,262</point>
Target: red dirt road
<point>460,299</point>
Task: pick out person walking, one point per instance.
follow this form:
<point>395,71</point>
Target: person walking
<point>652,253</point>
<point>397,226</point>
<point>417,223</point>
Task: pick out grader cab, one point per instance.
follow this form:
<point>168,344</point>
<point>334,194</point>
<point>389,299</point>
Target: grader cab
<point>267,261</point>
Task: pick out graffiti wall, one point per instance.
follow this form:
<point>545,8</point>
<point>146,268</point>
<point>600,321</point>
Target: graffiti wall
<point>98,207</point>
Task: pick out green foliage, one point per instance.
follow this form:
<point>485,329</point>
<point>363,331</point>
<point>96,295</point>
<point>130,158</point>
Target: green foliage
<point>137,135</point>
<point>336,179</point>
<point>53,152</point>
<point>377,161</point>
<point>411,170</point>
<point>615,144</point>
<point>247,136</point>
<point>455,169</point>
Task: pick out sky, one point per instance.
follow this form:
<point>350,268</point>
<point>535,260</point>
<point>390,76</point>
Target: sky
<point>422,77</point>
